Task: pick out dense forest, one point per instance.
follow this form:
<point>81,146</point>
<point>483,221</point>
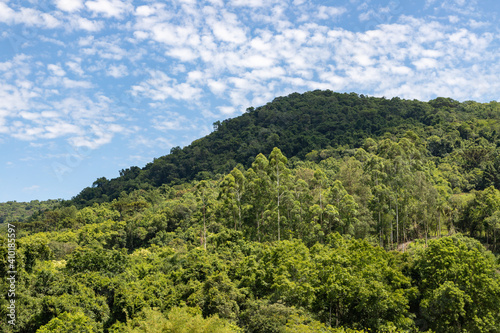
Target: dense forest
<point>319,212</point>
<point>13,211</point>
<point>314,121</point>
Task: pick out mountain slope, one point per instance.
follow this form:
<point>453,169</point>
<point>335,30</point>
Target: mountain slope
<point>299,124</point>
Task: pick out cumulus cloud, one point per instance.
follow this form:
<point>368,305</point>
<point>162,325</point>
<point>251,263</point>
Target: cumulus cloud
<point>88,25</point>
<point>98,135</point>
<point>249,3</point>
<point>325,12</point>
<point>214,59</point>
<point>161,87</point>
<point>117,71</point>
<point>69,5</point>
<point>245,64</point>
<point>32,112</point>
<point>109,8</point>
<point>75,67</point>
<point>7,14</point>
<point>171,121</point>
<point>56,70</point>
<point>28,16</point>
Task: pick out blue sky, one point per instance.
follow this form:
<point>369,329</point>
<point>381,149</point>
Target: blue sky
<point>91,87</point>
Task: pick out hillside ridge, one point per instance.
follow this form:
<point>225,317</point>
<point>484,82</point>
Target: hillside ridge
<point>298,124</point>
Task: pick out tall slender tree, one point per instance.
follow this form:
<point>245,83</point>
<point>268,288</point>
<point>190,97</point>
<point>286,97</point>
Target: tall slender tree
<point>280,175</point>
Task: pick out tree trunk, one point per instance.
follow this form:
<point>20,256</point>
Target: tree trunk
<point>204,229</point>
<point>278,188</point>
<point>380,226</point>
<point>397,222</point>
<point>439,225</point>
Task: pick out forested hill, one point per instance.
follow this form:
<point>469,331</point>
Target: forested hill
<point>400,234</point>
<point>308,123</point>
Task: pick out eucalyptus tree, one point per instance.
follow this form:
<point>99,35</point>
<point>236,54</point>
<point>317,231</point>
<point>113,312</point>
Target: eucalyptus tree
<point>232,190</point>
<point>280,176</point>
<point>257,194</point>
<point>203,193</point>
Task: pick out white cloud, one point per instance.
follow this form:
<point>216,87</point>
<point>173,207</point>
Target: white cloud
<point>117,71</point>
<point>478,24</point>
<point>217,87</point>
<point>56,70</point>
<point>31,111</point>
<point>141,35</point>
<point>227,110</point>
<point>27,16</point>
<point>295,55</point>
<point>31,188</point>
<point>56,130</point>
<point>86,41</point>
<point>145,10</point>
<point>195,76</point>
<point>228,31</point>
<point>171,121</point>
<point>7,14</point>
<point>249,3</point>
<point>69,5</point>
<point>89,25</point>
<point>184,54</point>
<point>75,67</point>
<point>161,87</point>
<point>5,66</point>
<point>102,134</point>
<point>108,48</point>
<point>258,61</point>
<point>173,35</point>
<point>109,8</point>
<point>70,84</point>
<point>325,12</point>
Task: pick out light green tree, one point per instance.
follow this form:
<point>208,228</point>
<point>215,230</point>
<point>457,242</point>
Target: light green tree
<point>70,323</point>
<point>280,175</point>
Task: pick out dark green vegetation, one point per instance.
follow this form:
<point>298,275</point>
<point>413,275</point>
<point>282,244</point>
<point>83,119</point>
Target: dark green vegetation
<point>319,120</point>
<point>385,218</point>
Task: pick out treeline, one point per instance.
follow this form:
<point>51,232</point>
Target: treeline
<point>319,120</point>
<point>13,211</point>
<point>87,280</point>
<point>282,246</point>
<point>388,228</point>
<point>390,192</point>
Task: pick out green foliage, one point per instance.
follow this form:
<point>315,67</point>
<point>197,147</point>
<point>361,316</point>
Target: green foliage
<point>321,124</point>
<point>346,235</point>
<point>360,286</point>
<point>445,308</point>
<point>97,259</point>
<point>69,323</point>
<point>459,285</point>
<point>180,320</point>
<point>261,316</point>
<point>218,295</point>
<point>13,211</point>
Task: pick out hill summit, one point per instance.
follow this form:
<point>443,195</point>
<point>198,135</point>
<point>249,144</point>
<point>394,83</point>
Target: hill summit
<point>299,124</point>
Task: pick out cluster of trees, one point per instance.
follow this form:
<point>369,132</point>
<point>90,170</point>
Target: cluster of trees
<point>283,246</point>
<point>389,191</point>
<point>13,211</point>
<point>385,218</point>
<point>317,120</point>
<point>95,283</point>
